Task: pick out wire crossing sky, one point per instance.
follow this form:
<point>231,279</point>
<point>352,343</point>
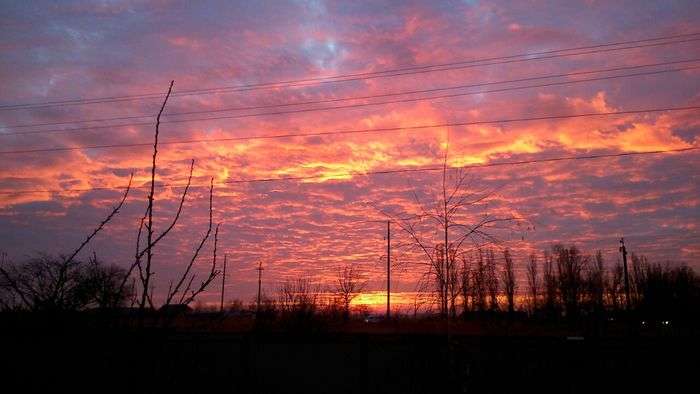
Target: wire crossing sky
<point>525,57</point>
<point>382,172</point>
<point>340,132</point>
<point>581,116</point>
<point>506,89</point>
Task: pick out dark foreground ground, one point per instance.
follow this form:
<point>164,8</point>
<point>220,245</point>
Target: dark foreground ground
<point>375,361</point>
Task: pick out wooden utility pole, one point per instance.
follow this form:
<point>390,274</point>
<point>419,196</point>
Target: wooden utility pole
<point>223,285</point>
<point>624,265</point>
<point>388,269</point>
<point>260,270</point>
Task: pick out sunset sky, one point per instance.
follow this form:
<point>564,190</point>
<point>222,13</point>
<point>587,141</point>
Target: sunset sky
<point>51,52</point>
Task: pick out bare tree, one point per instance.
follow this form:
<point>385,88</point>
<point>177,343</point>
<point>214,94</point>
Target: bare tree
<point>492,284</point>
<point>453,284</point>
<point>104,285</point>
<point>570,265</point>
<point>550,284</point>
<point>145,271</point>
<point>479,283</point>
<point>47,283</point>
<point>668,291</point>
<point>508,279</point>
<point>465,283</point>
<point>533,281</point>
<point>348,284</point>
<point>8,298</point>
<point>637,278</point>
<point>614,289</point>
<point>423,297</point>
<point>450,217</point>
<point>298,297</point>
<point>595,281</point>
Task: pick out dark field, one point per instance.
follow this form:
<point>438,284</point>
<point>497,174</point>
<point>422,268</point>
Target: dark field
<point>380,358</point>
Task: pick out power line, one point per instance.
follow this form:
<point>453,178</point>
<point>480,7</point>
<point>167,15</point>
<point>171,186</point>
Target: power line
<point>357,131</point>
<point>391,94</point>
<point>370,75</point>
<point>367,173</point>
<point>467,64</point>
<point>462,62</point>
<point>360,105</point>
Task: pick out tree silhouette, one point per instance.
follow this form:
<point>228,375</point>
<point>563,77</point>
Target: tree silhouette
<point>465,281</point>
<point>298,298</point>
<point>48,284</point>
<point>509,280</point>
<point>441,230</point>
<point>45,283</point>
<point>570,266</point>
<point>550,285</point>
<point>479,283</point>
<point>533,282</point>
<point>349,283</point>
<point>145,271</point>
<point>595,283</point>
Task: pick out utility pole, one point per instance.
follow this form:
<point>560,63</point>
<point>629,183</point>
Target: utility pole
<point>624,265</point>
<point>223,285</point>
<point>260,270</point>
<point>388,269</point>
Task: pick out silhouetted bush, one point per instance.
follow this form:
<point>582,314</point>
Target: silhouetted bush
<point>666,292</point>
<point>50,284</point>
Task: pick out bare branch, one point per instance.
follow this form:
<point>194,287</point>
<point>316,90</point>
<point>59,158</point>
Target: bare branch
<point>137,262</point>
<point>67,262</point>
<point>187,288</point>
<point>184,276</point>
<point>106,220</point>
<point>177,214</point>
<point>151,193</point>
<point>213,273</point>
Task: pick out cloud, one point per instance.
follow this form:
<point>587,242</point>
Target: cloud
<point>314,226</point>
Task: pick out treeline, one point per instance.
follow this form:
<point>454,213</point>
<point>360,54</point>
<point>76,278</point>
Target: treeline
<point>564,282</point>
<point>561,283</point>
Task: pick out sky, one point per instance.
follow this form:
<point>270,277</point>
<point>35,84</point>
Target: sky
<point>50,201</point>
